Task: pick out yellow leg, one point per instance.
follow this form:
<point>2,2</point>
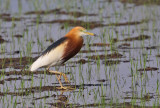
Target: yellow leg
<point>59,79</point>
<point>60,74</point>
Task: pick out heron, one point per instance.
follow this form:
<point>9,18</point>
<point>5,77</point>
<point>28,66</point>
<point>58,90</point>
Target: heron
<point>61,51</point>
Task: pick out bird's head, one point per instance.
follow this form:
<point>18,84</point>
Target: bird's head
<point>79,31</point>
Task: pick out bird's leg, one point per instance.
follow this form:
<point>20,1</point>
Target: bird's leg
<point>59,78</point>
<point>60,73</point>
<point>65,78</point>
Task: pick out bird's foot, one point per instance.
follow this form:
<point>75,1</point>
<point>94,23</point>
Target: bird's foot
<point>65,88</point>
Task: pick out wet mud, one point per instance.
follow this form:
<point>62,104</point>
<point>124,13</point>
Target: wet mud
<point>7,17</point>
<point>18,36</point>
<point>92,51</point>
<point>45,97</point>
<point>111,62</point>
<point>43,11</point>
<point>102,80</point>
<point>17,63</point>
<point>108,56</point>
<point>81,61</point>
<point>100,44</point>
<point>148,69</point>
<point>28,91</point>
<point>2,40</point>
<point>60,12</point>
<point>129,39</point>
<point>140,37</point>
<point>90,25</point>
<point>141,2</point>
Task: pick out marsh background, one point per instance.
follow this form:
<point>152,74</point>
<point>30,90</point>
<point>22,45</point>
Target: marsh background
<point>119,68</point>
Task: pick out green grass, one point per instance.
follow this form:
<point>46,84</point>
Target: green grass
<point>116,77</point>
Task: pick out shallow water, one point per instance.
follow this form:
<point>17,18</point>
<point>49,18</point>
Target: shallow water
<point>119,68</point>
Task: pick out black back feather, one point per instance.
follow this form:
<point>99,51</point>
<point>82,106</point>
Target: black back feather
<point>54,45</point>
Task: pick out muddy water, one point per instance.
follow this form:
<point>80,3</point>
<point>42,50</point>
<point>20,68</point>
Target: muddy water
<point>119,68</point>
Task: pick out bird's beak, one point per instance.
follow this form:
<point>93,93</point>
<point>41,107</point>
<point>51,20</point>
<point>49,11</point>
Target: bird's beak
<point>91,34</point>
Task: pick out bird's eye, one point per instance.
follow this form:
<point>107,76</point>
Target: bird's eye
<point>81,30</point>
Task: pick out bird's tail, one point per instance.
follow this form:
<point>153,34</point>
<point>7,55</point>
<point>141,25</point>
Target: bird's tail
<point>32,68</point>
<point>35,65</point>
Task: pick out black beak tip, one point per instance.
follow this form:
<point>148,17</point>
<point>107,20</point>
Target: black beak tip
<point>95,35</point>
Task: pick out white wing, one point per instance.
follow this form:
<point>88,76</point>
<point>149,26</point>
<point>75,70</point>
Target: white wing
<point>51,58</point>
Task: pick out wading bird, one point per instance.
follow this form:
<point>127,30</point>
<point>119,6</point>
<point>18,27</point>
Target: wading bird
<point>61,51</point>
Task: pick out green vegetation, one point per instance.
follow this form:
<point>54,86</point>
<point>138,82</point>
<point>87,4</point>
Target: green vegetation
<point>119,68</point>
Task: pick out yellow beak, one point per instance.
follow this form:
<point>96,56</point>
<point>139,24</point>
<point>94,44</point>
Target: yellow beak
<point>92,34</point>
